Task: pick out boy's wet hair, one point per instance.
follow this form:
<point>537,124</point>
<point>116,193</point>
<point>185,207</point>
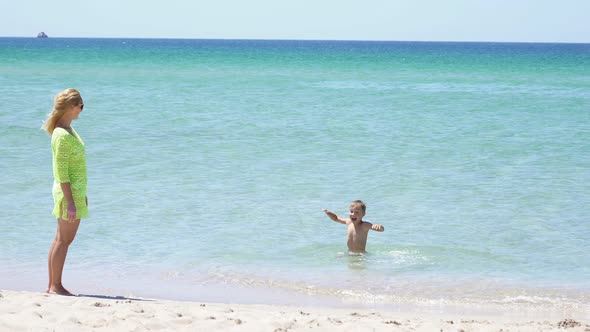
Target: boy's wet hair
<point>361,203</point>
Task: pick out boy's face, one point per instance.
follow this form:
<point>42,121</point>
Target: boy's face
<point>356,213</point>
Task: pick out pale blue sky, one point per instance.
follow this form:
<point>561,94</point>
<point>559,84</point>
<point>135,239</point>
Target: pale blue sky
<point>419,20</point>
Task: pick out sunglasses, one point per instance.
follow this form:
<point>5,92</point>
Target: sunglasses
<point>81,106</point>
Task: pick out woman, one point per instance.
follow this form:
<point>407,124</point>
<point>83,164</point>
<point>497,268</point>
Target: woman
<point>69,186</point>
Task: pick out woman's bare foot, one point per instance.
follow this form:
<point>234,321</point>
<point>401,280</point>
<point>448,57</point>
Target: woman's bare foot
<point>59,291</point>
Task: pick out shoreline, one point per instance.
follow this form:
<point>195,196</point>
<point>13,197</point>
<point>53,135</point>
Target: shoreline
<point>459,297</point>
<point>20,310</point>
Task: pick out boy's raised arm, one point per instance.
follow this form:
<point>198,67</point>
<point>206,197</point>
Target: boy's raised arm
<point>335,217</point>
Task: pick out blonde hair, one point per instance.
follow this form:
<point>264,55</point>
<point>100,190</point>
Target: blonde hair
<point>63,101</point>
<point>361,204</point>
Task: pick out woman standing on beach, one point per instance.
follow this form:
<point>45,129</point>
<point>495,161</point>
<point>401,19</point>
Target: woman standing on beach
<point>69,186</point>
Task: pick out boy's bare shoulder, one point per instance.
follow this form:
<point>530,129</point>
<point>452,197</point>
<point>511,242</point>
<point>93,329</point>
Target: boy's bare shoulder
<point>367,224</point>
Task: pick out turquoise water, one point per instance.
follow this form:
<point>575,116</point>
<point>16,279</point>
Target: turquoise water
<point>210,161</point>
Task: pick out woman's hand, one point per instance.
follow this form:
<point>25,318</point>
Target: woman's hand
<point>71,213</point>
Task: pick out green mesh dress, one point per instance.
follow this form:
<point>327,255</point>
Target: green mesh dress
<point>69,165</point>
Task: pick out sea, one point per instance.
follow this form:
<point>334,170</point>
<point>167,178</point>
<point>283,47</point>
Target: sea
<point>210,161</point>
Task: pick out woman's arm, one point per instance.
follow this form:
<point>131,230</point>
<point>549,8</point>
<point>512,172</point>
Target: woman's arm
<point>67,190</point>
<point>61,164</point>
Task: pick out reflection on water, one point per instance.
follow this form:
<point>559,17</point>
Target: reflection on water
<point>356,261</point>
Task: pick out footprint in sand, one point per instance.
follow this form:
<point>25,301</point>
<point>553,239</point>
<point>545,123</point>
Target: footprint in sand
<point>356,314</point>
<point>394,322</point>
<point>98,304</point>
<point>236,320</point>
<point>334,320</point>
<point>567,323</point>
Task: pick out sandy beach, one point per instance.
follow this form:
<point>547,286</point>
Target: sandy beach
<point>30,311</point>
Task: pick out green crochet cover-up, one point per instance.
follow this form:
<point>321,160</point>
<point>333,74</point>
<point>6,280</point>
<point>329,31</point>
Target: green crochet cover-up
<point>69,165</point>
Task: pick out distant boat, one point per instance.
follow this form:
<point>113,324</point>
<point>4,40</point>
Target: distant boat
<point>42,35</point>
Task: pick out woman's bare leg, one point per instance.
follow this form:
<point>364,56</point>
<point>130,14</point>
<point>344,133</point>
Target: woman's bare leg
<point>66,232</point>
<point>49,261</point>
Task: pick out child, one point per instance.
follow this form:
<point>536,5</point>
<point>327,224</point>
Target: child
<point>357,228</point>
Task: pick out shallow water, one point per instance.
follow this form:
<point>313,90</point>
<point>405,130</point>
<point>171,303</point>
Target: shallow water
<point>210,161</point>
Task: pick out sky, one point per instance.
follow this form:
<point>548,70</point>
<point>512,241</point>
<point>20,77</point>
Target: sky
<point>409,20</point>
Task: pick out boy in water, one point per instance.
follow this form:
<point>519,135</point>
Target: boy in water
<point>357,228</point>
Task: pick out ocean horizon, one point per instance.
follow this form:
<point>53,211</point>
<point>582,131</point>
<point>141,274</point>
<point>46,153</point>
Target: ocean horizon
<point>210,161</point>
<point>302,39</point>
